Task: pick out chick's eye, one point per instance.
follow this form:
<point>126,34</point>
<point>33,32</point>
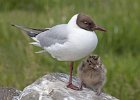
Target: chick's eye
<point>90,23</point>
<point>85,22</point>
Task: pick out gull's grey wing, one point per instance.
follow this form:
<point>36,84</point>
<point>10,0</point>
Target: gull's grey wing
<point>56,34</point>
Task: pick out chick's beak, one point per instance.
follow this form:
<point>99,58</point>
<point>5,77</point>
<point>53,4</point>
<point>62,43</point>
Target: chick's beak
<point>96,27</point>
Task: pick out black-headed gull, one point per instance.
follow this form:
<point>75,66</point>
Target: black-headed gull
<point>67,42</point>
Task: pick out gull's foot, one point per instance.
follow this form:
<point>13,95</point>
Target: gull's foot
<point>70,85</point>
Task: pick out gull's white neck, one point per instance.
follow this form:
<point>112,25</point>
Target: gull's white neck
<point>72,22</point>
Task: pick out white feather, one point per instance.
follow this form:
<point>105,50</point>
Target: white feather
<point>35,39</point>
<point>36,44</point>
<point>41,51</point>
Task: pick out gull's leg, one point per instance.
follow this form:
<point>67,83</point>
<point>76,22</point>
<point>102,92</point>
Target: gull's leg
<point>70,85</point>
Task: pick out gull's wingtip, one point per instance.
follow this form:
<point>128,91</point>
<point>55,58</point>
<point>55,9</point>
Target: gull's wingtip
<point>13,25</point>
<point>17,26</point>
<point>32,32</point>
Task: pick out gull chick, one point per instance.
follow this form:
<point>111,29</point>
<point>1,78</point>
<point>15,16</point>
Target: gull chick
<point>67,42</point>
<point>92,73</point>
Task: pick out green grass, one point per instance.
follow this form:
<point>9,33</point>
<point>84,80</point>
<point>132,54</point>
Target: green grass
<point>119,47</point>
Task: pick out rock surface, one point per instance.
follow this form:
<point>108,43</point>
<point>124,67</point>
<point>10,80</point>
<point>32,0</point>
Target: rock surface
<point>53,87</point>
<point>8,93</point>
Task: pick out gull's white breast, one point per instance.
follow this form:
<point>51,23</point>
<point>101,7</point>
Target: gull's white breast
<point>80,44</point>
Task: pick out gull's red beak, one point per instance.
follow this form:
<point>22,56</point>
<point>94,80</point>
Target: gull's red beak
<point>99,28</point>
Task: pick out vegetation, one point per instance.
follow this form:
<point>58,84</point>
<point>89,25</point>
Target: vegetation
<point>119,47</point>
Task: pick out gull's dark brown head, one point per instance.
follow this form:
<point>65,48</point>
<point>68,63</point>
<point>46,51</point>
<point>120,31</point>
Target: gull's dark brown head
<point>85,22</point>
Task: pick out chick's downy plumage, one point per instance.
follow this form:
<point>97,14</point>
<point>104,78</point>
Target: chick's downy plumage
<point>92,73</point>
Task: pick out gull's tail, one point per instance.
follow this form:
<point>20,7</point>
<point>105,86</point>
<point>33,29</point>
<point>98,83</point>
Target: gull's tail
<point>32,32</point>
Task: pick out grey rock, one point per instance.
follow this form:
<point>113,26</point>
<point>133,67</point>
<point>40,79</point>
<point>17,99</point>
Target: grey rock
<point>7,93</point>
<point>53,87</point>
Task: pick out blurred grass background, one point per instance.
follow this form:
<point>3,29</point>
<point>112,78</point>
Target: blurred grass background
<point>119,48</point>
